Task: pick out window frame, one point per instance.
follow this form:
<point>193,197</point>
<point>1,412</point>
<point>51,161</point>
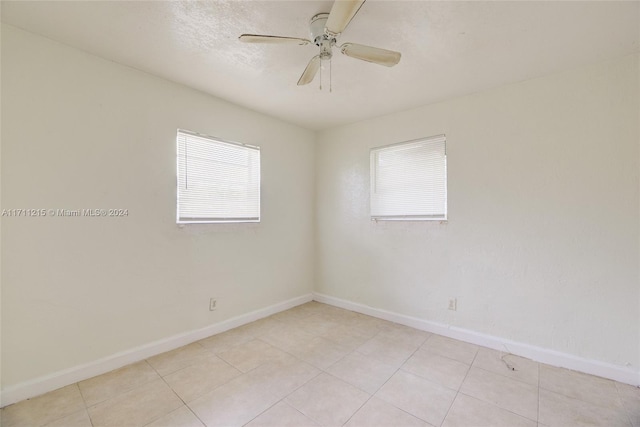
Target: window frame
<point>186,220</point>
<point>373,176</point>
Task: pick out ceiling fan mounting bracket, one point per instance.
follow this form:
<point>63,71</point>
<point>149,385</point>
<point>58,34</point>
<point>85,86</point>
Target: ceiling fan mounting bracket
<point>319,37</point>
<point>317,24</point>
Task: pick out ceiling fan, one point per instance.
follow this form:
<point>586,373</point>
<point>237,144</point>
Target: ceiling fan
<point>325,28</point>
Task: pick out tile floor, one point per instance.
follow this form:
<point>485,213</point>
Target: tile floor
<point>319,365</point>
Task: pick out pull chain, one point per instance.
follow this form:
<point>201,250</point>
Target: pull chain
<point>330,75</point>
<point>330,68</point>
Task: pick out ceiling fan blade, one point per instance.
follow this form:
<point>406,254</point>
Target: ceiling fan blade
<point>310,72</point>
<point>256,38</point>
<point>342,12</point>
<point>385,57</point>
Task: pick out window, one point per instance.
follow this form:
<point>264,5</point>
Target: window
<point>409,180</point>
<point>218,181</point>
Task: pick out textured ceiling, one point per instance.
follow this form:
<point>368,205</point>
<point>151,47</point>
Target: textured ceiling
<point>448,48</point>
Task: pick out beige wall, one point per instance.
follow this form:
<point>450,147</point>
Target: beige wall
<point>81,132</point>
<point>541,246</point>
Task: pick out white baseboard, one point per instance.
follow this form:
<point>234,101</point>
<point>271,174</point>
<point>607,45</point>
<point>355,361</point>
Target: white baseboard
<point>65,377</point>
<point>38,386</point>
<point>539,354</point>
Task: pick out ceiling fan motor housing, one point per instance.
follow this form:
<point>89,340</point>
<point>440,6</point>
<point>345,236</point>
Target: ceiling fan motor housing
<point>319,36</point>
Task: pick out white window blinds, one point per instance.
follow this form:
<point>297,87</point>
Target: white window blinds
<point>409,180</point>
<point>218,181</point>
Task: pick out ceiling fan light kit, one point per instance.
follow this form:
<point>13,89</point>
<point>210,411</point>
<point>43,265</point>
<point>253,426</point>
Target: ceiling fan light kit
<point>325,29</point>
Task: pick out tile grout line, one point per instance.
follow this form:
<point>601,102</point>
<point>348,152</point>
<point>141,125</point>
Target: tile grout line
<point>287,395</point>
<point>296,409</point>
<point>127,390</point>
<point>538,417</point>
<point>372,394</point>
<point>176,394</point>
<point>496,405</point>
<point>580,399</point>
<point>391,376</point>
<point>258,338</point>
<point>323,370</point>
<point>576,399</point>
<point>460,386</point>
<point>622,403</point>
<point>86,408</point>
<point>293,391</point>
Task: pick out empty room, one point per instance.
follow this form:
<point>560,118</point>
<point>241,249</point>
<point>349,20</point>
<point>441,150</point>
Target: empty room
<point>320,213</point>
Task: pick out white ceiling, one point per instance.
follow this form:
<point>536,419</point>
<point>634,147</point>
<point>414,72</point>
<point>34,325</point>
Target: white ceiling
<point>448,48</point>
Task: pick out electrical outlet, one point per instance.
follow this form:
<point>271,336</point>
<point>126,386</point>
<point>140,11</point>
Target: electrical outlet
<point>453,304</point>
<point>213,304</point>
